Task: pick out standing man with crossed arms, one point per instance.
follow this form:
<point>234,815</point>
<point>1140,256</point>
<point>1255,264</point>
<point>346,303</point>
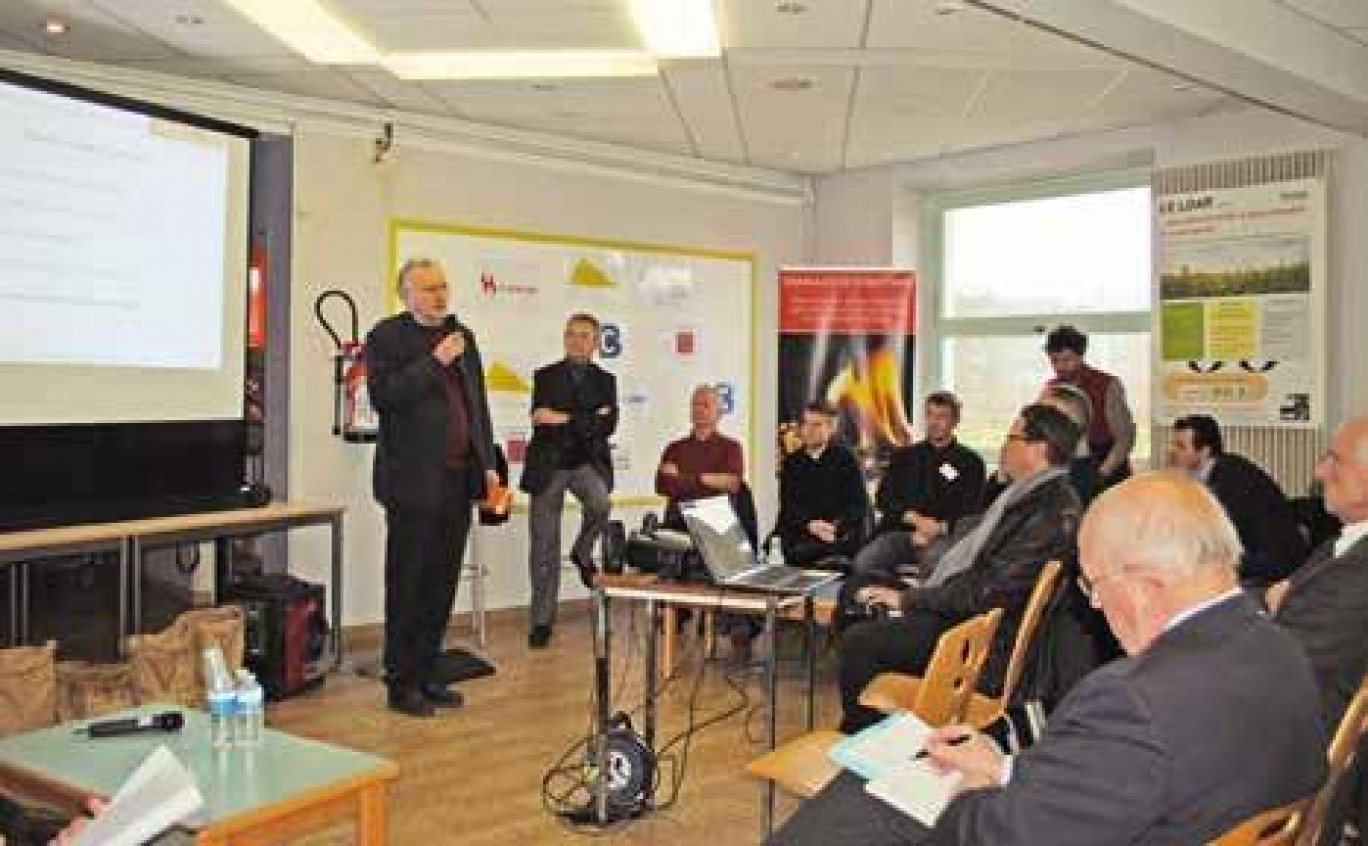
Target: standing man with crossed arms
<point>574,412</point>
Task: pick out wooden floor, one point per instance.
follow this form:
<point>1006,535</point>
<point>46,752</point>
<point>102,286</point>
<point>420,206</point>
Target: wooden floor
<point>473,776</point>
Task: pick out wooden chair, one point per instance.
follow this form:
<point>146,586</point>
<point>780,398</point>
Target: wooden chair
<point>801,766</point>
<point>1275,827</point>
<point>1353,725</point>
<point>890,692</point>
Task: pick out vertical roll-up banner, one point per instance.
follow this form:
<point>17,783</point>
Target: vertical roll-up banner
<point>846,337</point>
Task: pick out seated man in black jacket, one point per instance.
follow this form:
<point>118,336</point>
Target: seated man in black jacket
<point>1272,541</point>
<point>823,505</point>
<point>925,489</point>
<point>995,566</point>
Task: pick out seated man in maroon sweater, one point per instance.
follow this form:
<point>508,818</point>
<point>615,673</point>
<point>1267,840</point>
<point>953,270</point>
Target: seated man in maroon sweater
<point>701,464</point>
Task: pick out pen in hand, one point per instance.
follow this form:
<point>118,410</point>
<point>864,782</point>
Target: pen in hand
<point>954,741</point>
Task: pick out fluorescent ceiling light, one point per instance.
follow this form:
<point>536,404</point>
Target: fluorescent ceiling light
<point>520,65</point>
<point>678,29</point>
<point>308,27</point>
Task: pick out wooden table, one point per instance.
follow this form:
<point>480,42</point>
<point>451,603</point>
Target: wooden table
<point>130,538</point>
<point>281,789</point>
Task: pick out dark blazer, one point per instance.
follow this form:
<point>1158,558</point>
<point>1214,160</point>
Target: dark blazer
<point>553,388</point>
<point>1216,721</point>
<point>1262,516</point>
<point>1043,526</point>
<point>407,387</point>
<point>1326,610</point>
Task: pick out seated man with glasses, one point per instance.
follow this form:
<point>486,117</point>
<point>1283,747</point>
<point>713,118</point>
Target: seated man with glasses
<point>995,566</point>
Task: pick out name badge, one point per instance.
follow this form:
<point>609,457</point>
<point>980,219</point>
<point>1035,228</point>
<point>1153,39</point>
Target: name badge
<point>949,472</point>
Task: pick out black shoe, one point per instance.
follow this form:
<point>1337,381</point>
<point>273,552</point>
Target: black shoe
<point>441,695</point>
<point>539,637</point>
<point>587,573</point>
<point>411,703</point>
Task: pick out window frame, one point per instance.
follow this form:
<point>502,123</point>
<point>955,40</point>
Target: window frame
<point>932,333</point>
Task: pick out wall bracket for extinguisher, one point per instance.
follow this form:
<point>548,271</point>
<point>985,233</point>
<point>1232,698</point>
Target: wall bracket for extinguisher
<point>354,418</point>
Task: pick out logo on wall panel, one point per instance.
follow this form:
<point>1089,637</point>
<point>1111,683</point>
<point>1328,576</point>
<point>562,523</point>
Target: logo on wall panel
<point>686,342</point>
<point>612,340</point>
<point>492,287</point>
<point>726,396</point>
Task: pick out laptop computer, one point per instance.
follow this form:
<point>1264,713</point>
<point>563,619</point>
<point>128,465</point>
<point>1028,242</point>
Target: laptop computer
<point>731,560</point>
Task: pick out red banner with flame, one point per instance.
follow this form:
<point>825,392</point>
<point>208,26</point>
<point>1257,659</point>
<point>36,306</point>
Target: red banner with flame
<point>847,337</point>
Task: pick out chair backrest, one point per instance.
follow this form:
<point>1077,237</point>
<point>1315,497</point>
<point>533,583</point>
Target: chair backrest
<point>948,686</point>
<point>1041,595</point>
<point>1345,743</point>
<point>1274,827</point>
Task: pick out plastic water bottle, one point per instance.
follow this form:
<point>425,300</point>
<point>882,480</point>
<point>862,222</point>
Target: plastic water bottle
<point>222,699</point>
<point>251,711</point>
<point>775,556</point>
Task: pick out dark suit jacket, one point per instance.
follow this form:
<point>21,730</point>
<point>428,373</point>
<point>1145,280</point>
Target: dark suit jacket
<point>1262,516</point>
<point>407,387</point>
<point>1326,609</point>
<point>1042,526</point>
<point>552,387</point>
<point>1216,721</point>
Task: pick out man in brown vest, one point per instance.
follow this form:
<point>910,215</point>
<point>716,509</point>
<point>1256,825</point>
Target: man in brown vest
<point>1111,429</point>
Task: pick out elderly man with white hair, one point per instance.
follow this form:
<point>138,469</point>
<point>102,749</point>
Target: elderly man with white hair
<point>1211,718</point>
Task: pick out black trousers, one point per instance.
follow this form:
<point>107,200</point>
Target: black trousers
<point>424,548</point>
<point>896,645</point>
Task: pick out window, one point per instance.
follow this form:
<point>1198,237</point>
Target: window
<point>1010,264</point>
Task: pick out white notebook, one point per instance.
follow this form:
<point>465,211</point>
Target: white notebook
<point>916,789</point>
<point>885,755</point>
<point>159,794</point>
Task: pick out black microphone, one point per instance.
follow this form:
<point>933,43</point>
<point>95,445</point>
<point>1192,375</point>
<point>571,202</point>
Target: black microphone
<point>449,326</point>
<point>169,721</point>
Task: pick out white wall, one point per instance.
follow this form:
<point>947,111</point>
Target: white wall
<point>342,203</point>
<point>844,198</point>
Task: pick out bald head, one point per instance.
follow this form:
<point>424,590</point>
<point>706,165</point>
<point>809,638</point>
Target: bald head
<point>705,409</point>
<point>1152,547</point>
<point>1343,472</point>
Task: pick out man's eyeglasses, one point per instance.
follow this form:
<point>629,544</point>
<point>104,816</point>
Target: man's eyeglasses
<point>1090,586</point>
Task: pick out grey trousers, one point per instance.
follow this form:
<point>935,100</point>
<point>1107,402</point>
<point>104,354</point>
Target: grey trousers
<point>886,555</point>
<point>544,527</point>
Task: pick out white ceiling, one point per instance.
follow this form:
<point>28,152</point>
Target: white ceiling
<point>891,80</point>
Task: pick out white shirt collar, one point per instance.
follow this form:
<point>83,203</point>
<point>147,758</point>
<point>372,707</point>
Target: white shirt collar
<point>1203,473</point>
<point>1193,611</point>
<point>1350,535</point>
<point>816,456</point>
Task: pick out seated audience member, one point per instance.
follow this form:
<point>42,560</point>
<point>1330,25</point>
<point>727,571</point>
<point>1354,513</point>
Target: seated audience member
<point>1210,719</point>
<point>1324,604</point>
<point>701,464</point>
<point>1082,469</point>
<point>994,566</point>
<point>925,490</point>
<point>1111,427</point>
<point>823,505</point>
<point>1272,541</point>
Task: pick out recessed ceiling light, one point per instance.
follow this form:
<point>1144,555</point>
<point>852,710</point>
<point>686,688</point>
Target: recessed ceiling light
<point>792,83</point>
<point>677,29</point>
<point>949,7</point>
<point>56,26</point>
<point>189,19</point>
<point>790,7</point>
<point>1183,86</point>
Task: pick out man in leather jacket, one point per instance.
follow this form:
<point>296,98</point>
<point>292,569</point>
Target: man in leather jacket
<point>1033,521</point>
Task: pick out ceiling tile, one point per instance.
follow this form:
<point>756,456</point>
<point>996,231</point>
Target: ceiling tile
<point>223,67</point>
<point>825,25</point>
<point>702,96</point>
<point>94,35</point>
<point>1144,95</point>
<point>396,93</point>
<point>907,113</point>
<point>1040,95</point>
<point>1346,14</point>
<point>200,28</point>
<point>807,127</point>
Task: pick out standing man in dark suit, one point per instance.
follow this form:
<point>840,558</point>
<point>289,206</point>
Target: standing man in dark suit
<point>1272,540</point>
<point>434,457</point>
<point>1325,603</point>
<point>1210,719</point>
<point>574,412</point>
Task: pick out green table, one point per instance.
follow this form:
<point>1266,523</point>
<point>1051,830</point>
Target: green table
<point>284,787</point>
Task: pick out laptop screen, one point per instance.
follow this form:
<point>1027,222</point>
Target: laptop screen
<point>719,536</point>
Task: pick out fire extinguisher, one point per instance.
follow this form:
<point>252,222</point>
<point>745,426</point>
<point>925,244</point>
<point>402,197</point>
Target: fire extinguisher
<point>354,417</point>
